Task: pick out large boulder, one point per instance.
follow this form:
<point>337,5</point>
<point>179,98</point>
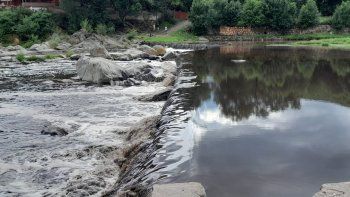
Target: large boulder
<point>43,47</point>
<point>98,70</point>
<point>64,46</point>
<point>16,48</point>
<point>334,190</point>
<point>130,54</point>
<point>100,51</point>
<point>170,55</point>
<point>147,49</point>
<point>160,50</point>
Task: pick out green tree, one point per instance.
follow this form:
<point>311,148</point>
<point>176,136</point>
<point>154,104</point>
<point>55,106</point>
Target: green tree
<point>231,13</point>
<point>308,15</point>
<point>327,7</point>
<point>341,17</point>
<point>252,14</point>
<point>201,16</point>
<point>279,14</point>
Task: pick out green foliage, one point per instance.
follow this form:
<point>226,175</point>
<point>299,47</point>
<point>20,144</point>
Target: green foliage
<point>279,14</point>
<point>69,53</point>
<point>25,24</point>
<point>200,16</point>
<point>52,56</point>
<point>176,37</point>
<point>35,58</point>
<point>101,29</point>
<point>252,15</point>
<point>132,34</point>
<point>341,17</point>
<point>20,57</point>
<point>231,13</point>
<point>34,39</point>
<point>308,15</point>
<point>85,25</point>
<point>327,7</point>
<point>325,20</point>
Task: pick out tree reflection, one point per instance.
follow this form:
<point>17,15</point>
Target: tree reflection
<point>272,79</point>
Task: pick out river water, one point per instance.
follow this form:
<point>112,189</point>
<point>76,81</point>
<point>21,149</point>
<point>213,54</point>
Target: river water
<point>276,124</point>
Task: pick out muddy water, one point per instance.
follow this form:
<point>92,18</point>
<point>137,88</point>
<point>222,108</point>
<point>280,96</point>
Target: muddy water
<point>36,96</point>
<point>276,124</point>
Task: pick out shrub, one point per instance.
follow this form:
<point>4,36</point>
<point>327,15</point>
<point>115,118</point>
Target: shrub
<point>231,13</point>
<point>341,17</point>
<point>69,53</point>
<point>35,58</point>
<point>101,29</point>
<point>34,39</point>
<point>279,14</point>
<point>52,56</point>
<point>309,15</point>
<point>85,25</point>
<point>20,57</point>
<point>252,15</point>
<point>131,34</point>
<point>54,40</point>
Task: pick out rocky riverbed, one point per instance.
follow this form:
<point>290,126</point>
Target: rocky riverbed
<point>68,125</point>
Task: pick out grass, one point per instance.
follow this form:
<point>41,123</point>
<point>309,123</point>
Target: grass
<point>33,58</point>
<point>176,37</point>
<point>342,42</point>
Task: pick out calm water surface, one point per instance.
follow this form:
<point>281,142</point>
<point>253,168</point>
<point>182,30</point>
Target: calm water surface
<point>277,125</point>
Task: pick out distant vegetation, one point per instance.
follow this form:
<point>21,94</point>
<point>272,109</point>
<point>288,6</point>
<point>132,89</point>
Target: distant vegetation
<point>278,15</point>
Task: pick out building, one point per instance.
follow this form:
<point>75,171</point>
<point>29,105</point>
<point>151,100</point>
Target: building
<point>50,5</point>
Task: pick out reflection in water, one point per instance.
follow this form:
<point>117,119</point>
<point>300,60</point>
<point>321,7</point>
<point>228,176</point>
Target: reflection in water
<point>275,125</point>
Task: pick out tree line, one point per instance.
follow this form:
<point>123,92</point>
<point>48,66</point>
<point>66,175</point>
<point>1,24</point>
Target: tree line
<point>277,15</point>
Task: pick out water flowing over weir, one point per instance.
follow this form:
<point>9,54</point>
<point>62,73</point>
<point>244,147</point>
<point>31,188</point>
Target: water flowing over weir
<point>171,147</point>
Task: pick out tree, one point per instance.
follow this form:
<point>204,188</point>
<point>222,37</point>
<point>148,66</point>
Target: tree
<point>231,13</point>
<point>126,7</point>
<point>341,17</point>
<point>327,7</point>
<point>308,15</point>
<point>252,15</point>
<point>200,16</point>
<point>279,14</point>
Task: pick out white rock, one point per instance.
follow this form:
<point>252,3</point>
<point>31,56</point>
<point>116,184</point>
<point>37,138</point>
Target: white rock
<point>334,190</point>
<point>191,189</point>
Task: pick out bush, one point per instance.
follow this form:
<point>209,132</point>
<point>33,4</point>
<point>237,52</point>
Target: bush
<point>252,15</point>
<point>85,25</point>
<point>20,57</point>
<point>309,15</point>
<point>231,13</point>
<point>341,17</point>
<point>131,34</point>
<point>69,53</point>
<point>279,14</point>
<point>34,39</point>
<point>101,29</point>
<point>201,16</point>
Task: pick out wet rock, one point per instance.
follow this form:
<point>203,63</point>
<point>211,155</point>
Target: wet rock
<point>143,129</point>
<point>171,55</point>
<point>191,189</point>
<point>334,190</point>
<point>161,95</point>
<point>129,82</point>
<point>147,49</point>
<point>160,50</point>
<point>98,70</point>
<point>53,131</point>
<point>169,80</point>
<point>100,51</point>
<point>64,46</point>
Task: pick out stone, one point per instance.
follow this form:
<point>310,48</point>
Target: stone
<point>169,80</point>
<point>100,51</point>
<point>130,54</point>
<point>98,70</point>
<point>64,46</point>
<point>171,55</point>
<point>40,47</point>
<point>75,57</point>
<point>147,49</point>
<point>191,189</point>
<point>161,95</point>
<point>59,129</point>
<point>160,50</point>
<point>15,48</point>
<point>203,40</point>
<point>334,190</point>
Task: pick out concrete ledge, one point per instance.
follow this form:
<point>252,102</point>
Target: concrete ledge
<point>190,189</point>
<point>334,190</point>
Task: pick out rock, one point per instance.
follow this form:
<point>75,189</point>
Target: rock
<point>203,40</point>
<point>130,54</point>
<point>169,80</point>
<point>64,46</point>
<point>75,57</point>
<point>40,47</point>
<point>334,190</point>
<point>86,46</point>
<point>147,49</point>
<point>161,95</point>
<point>98,70</point>
<point>17,48</point>
<point>160,50</point>
<point>79,36</point>
<point>171,55</point>
<point>100,51</point>
<point>129,82</point>
<point>191,189</point>
<point>59,129</point>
